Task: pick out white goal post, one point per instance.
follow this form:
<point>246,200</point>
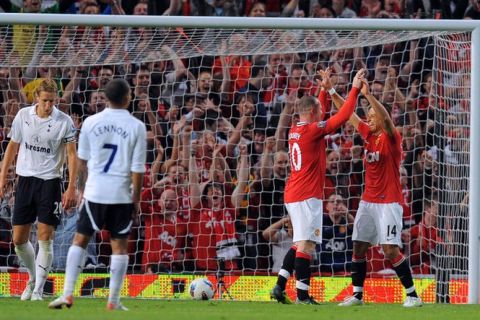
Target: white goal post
<point>322,24</point>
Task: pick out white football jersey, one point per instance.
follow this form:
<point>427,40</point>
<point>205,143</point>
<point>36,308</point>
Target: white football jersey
<point>42,142</point>
<point>114,144</point>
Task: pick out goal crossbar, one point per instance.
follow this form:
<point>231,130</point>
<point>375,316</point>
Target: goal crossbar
<point>239,22</point>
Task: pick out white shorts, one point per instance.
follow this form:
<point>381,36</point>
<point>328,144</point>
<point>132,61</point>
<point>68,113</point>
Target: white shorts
<point>307,219</point>
<point>378,223</point>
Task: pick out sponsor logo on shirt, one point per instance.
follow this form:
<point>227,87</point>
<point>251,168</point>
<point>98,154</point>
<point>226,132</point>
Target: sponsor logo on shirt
<point>37,148</point>
<point>372,156</point>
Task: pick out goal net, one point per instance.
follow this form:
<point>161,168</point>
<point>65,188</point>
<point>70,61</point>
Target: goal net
<point>217,104</point>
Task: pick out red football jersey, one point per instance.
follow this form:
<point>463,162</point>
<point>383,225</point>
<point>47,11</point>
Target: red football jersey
<point>211,229</point>
<point>307,153</point>
<point>164,240</point>
<point>382,166</point>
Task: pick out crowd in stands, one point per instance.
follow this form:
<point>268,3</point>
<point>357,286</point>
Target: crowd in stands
<point>217,128</point>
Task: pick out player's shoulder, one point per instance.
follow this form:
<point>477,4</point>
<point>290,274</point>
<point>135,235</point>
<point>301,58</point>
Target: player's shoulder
<point>62,116</point>
<point>137,122</point>
<point>24,112</point>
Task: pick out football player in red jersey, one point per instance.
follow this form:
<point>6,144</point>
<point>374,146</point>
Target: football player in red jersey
<point>304,189</point>
<point>379,216</point>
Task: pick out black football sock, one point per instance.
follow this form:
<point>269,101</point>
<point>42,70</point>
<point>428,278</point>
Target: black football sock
<point>302,273</point>
<point>287,268</point>
<point>401,267</point>
<point>358,273</point>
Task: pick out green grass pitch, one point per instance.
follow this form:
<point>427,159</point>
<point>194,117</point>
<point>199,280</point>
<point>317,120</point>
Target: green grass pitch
<point>87,309</point>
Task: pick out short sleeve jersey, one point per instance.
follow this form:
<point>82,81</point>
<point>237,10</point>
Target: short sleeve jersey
<point>307,152</point>
<point>307,162</point>
<point>382,166</point>
<point>113,143</point>
<point>41,142</point>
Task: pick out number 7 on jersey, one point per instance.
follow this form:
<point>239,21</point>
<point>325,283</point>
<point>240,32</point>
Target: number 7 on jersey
<point>114,148</point>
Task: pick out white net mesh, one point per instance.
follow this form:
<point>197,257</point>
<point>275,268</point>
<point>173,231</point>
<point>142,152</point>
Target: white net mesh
<point>212,91</point>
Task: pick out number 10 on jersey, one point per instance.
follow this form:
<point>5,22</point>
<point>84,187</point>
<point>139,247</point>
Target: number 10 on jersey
<point>296,157</point>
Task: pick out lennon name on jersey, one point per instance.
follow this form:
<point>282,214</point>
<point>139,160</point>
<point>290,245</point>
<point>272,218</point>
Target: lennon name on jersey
<point>110,128</point>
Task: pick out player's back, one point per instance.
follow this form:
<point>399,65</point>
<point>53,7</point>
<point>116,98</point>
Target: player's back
<point>114,144</point>
<point>307,162</point>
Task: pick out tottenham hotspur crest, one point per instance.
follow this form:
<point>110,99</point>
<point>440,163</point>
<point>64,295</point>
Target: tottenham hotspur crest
<point>36,138</point>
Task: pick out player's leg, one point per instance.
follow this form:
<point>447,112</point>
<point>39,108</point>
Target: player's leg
<point>359,268</point>
<point>119,222</point>
<point>74,266</point>
<point>306,235</point>
<point>48,205</point>
<point>43,263</point>
<point>22,219</point>
<point>303,259</point>
<point>390,239</point>
<point>91,216</point>
<point>118,269</point>
<point>364,233</point>
<point>284,274</point>
<point>288,265</point>
<point>26,254</point>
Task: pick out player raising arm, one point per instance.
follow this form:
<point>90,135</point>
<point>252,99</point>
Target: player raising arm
<point>379,215</point>
<point>112,148</point>
<point>304,189</point>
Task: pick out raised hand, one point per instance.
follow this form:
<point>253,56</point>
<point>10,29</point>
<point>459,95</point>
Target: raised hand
<point>325,82</point>
<point>270,143</point>
<point>359,77</point>
<point>243,149</point>
<point>365,88</point>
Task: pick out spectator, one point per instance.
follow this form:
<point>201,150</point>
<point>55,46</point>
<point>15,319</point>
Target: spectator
<point>165,236</point>
<point>280,235</point>
<point>422,239</point>
<point>335,252</point>
<point>341,10</point>
<point>213,217</point>
<point>63,239</point>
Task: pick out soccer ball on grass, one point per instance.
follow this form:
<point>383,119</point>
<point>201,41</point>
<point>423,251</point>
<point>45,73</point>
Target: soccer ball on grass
<point>201,289</point>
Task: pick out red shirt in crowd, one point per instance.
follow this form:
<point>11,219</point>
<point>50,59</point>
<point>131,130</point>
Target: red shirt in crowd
<point>164,240</point>
<point>239,71</point>
<point>211,229</point>
<point>382,166</point>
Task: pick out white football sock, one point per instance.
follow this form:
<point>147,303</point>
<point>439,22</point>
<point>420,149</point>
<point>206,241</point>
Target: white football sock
<point>75,261</point>
<point>43,263</point>
<point>26,254</point>
<point>118,268</point>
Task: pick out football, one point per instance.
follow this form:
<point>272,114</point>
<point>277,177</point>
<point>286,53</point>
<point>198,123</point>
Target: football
<point>201,289</point>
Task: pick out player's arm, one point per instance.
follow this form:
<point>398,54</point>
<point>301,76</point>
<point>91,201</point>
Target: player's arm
<point>10,154</point>
<point>386,120</point>
<point>271,233</point>
<point>137,168</point>
<point>284,121</point>
<point>81,174</point>
<point>322,98</point>
<point>137,182</point>
<point>70,197</point>
<point>12,149</point>
<point>337,99</point>
<point>348,107</point>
